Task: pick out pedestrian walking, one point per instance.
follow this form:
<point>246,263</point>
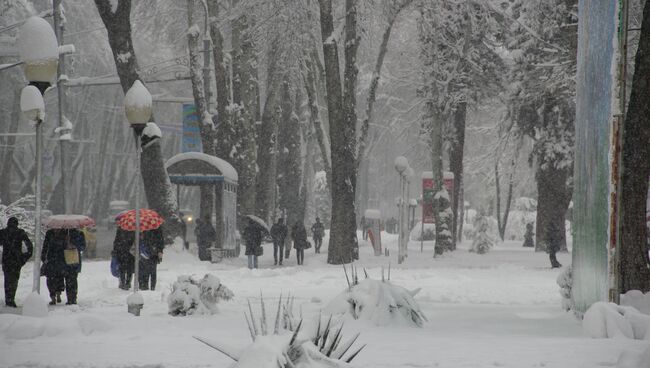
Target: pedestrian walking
<point>186,244</point>
<point>14,257</point>
<point>151,251</point>
<point>61,258</point>
<point>205,236</point>
<point>300,243</point>
<point>554,243</point>
<point>253,242</point>
<point>362,225</point>
<point>278,234</point>
<point>125,260</point>
<point>317,233</point>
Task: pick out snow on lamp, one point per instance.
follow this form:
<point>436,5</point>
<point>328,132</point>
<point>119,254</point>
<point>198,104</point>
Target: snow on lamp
<point>401,163</point>
<point>31,103</point>
<point>137,104</point>
<point>39,52</point>
<point>409,173</point>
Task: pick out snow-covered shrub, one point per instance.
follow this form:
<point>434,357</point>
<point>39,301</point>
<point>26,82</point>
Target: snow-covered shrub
<point>609,320</point>
<point>378,301</point>
<point>482,240</point>
<point>417,233</point>
<point>190,296</point>
<point>565,282</point>
<point>290,345</point>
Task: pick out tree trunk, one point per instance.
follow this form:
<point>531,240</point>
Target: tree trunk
<point>634,262</point>
<point>441,206</point>
<point>206,126</point>
<point>160,195</point>
<point>342,118</point>
<point>289,160</point>
<point>245,95</point>
<point>8,162</point>
<point>552,203</point>
<point>456,154</point>
<point>312,98</point>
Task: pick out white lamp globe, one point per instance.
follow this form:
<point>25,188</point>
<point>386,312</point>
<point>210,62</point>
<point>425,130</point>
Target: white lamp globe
<point>31,103</point>
<point>137,104</point>
<point>401,163</point>
<point>38,50</point>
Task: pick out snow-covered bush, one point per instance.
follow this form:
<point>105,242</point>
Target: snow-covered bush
<point>289,345</point>
<point>377,301</point>
<point>565,282</point>
<point>609,320</point>
<point>190,296</point>
<point>417,232</point>
<point>482,240</point>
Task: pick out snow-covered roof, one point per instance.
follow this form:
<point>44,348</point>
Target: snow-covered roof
<point>445,175</point>
<point>372,214</point>
<point>223,166</point>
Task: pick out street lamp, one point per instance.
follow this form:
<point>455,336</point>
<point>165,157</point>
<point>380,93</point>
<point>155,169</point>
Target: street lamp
<point>137,105</point>
<point>401,166</point>
<point>39,54</point>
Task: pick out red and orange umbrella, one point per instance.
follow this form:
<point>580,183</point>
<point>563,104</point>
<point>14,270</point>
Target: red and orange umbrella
<point>149,220</point>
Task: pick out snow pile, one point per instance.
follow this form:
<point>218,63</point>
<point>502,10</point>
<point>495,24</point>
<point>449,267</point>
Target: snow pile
<point>565,282</point>
<point>631,359</point>
<point>15,327</point>
<point>190,296</point>
<point>380,302</point>
<point>609,320</point>
<point>35,305</point>
<point>638,300</point>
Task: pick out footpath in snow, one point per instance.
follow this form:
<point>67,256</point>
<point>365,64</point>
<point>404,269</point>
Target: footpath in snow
<point>501,309</point>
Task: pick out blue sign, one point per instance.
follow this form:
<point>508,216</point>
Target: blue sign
<point>191,129</point>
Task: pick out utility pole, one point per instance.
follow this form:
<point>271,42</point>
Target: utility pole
<point>64,128</point>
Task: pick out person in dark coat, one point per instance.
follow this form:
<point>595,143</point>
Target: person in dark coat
<point>151,252</point>
<point>554,242</point>
<point>205,236</point>
<point>317,233</point>
<point>278,234</point>
<point>252,236</point>
<point>186,244</point>
<point>528,236</point>
<point>12,239</point>
<point>125,259</point>
<point>300,243</point>
<point>61,270</point>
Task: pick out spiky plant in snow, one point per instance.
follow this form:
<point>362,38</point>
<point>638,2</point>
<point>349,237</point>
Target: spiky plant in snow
<point>190,296</point>
<point>378,301</point>
<point>287,346</point>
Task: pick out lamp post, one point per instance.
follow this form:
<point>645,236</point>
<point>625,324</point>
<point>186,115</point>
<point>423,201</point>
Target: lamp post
<point>137,105</point>
<point>38,51</point>
<point>401,165</point>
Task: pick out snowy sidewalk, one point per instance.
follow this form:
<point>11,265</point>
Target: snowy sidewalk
<point>501,309</point>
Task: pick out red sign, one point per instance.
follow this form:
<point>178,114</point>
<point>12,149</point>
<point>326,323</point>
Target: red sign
<point>428,194</point>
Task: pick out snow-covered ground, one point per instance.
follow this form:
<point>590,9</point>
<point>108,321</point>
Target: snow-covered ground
<point>501,309</point>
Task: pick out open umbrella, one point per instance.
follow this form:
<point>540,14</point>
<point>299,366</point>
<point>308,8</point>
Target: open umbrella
<point>149,220</point>
<point>68,222</point>
<point>259,222</point>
